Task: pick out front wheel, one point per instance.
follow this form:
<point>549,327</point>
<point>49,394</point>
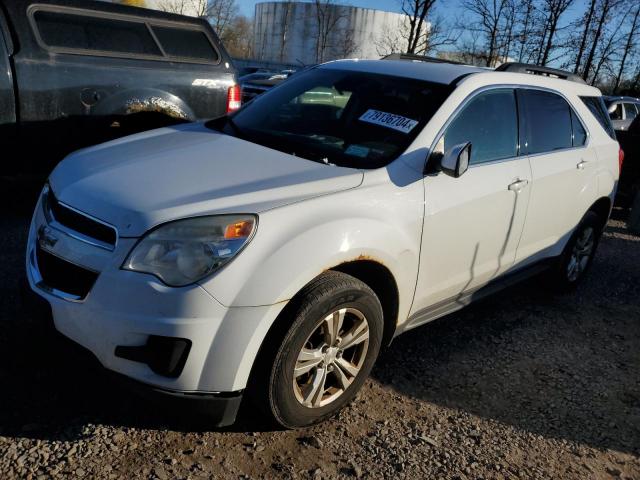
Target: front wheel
<point>335,333</point>
<point>578,254</point>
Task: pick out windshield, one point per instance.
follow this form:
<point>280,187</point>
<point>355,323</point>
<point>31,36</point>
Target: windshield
<point>346,118</point>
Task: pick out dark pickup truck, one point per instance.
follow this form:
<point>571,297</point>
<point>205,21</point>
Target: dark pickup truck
<point>74,73</point>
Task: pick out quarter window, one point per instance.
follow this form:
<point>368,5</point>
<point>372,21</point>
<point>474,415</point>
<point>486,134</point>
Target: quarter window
<point>547,121</point>
<point>84,32</point>
<point>598,109</point>
<point>179,42</point>
<point>490,122</point>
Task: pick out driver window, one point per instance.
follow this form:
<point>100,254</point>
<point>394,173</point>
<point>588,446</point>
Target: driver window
<point>490,122</point>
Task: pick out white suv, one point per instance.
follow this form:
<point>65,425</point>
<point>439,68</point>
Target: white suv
<point>273,252</point>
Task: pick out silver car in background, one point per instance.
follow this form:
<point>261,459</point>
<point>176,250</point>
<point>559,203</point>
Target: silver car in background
<point>622,110</point>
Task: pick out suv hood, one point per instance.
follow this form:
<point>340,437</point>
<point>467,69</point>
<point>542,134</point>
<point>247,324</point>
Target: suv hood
<point>137,182</point>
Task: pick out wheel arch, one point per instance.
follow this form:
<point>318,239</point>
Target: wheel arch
<point>379,279</point>
<point>374,274</point>
<point>602,208</point>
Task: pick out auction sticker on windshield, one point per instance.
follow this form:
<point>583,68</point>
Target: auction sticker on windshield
<point>389,120</point>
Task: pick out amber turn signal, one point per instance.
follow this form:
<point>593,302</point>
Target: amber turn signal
<point>238,230</point>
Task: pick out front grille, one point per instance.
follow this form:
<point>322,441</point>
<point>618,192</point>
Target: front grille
<point>78,222</point>
<point>64,276</point>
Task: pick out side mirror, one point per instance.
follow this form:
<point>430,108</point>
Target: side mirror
<point>456,160</point>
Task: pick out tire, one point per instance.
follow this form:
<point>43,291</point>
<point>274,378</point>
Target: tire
<point>577,256</point>
<point>332,300</point>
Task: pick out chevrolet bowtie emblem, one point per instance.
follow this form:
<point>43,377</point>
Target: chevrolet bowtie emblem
<point>46,237</point>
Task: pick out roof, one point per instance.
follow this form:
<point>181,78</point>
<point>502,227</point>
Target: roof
<point>447,73</point>
<point>444,73</point>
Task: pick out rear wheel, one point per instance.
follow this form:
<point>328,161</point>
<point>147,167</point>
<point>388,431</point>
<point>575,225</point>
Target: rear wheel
<point>326,354</point>
<point>578,254</point>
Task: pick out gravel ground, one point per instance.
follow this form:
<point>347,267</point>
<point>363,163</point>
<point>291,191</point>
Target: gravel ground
<point>522,385</point>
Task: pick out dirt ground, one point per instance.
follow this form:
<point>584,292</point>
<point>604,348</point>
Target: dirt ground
<point>522,385</point>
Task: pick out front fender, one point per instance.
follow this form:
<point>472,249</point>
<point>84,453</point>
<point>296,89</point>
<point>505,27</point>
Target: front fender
<point>296,243</point>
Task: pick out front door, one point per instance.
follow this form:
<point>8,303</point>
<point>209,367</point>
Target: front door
<point>473,223</point>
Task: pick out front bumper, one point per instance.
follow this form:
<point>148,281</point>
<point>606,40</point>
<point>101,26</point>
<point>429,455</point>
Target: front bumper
<point>217,409</point>
<point>123,310</point>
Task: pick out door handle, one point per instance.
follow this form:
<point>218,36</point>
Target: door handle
<point>582,164</point>
<point>518,185</point>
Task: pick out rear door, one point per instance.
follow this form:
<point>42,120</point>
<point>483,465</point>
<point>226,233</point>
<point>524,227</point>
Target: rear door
<point>555,140</point>
<point>473,223</point>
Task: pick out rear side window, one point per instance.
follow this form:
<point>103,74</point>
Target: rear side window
<point>64,30</point>
<point>490,122</point>
<point>579,133</point>
<point>547,121</point>
<point>631,111</point>
<point>178,42</point>
<point>597,107</point>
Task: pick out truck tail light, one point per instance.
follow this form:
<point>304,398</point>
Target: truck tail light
<point>234,98</point>
<point>620,158</point>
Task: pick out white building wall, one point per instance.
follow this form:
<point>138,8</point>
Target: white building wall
<point>288,32</point>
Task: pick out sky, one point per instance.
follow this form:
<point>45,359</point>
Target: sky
<point>449,9</point>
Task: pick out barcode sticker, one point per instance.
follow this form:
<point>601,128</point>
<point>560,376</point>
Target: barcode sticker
<point>389,120</point>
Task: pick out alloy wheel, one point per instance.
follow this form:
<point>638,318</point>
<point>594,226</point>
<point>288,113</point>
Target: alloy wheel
<point>581,253</point>
<point>331,358</point>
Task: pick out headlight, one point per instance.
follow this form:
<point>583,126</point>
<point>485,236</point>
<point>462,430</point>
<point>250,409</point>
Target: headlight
<point>184,251</point>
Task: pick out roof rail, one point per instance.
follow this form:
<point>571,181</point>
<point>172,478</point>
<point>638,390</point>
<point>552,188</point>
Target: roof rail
<point>417,58</point>
<point>516,67</point>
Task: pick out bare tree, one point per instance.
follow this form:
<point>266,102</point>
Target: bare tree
<point>328,16</point>
<point>605,8</point>
<point>196,8</point>
<point>219,13</point>
<point>489,18</point>
<point>285,21</point>
<point>510,22</point>
<point>526,15</point>
<point>606,52</point>
<point>346,45</point>
<point>439,34</point>
<point>553,10</point>
<point>587,18</point>
<point>417,12</point>
<point>392,38</point>
<point>628,47</point>
<point>238,39</point>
